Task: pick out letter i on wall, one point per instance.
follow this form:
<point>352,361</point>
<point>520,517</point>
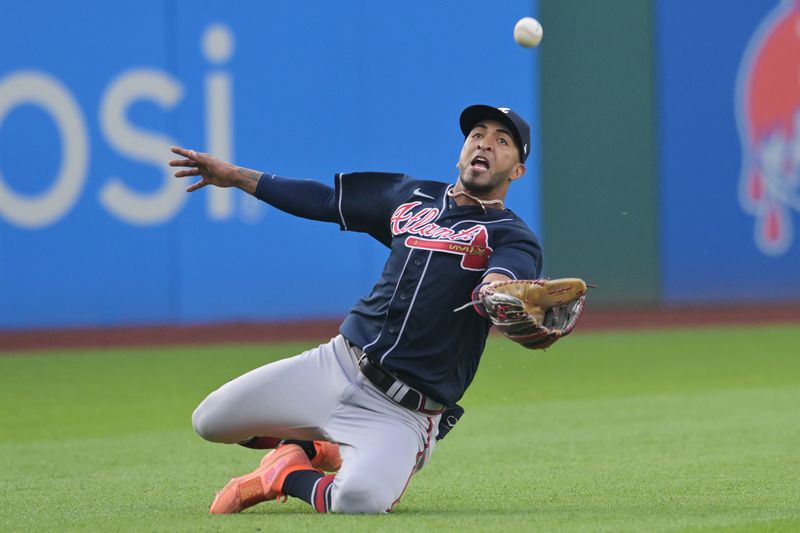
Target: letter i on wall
<point>218,47</point>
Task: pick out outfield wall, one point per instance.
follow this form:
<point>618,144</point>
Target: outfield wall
<point>729,149</point>
<point>667,142</point>
<point>671,149</point>
<point>599,154</point>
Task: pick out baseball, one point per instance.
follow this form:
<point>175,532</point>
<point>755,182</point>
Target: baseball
<point>528,32</point>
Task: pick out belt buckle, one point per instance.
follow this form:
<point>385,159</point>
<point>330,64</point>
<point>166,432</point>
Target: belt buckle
<point>356,351</point>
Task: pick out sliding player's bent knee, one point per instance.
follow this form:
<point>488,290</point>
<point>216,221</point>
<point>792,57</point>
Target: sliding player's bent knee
<point>208,421</point>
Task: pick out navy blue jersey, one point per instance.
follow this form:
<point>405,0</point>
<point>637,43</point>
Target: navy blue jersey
<point>439,252</point>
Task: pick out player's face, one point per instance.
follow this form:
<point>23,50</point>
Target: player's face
<point>489,158</point>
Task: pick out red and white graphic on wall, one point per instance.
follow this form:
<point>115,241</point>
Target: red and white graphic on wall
<point>768,117</point>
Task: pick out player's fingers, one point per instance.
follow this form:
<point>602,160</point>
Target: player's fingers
<point>187,172</point>
<point>189,154</point>
<point>180,151</point>
<point>182,163</point>
<point>195,186</point>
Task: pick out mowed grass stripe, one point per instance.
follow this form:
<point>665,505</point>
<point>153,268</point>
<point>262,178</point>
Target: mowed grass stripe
<point>648,431</point>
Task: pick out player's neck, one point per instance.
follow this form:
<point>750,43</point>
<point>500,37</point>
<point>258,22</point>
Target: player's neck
<point>461,196</point>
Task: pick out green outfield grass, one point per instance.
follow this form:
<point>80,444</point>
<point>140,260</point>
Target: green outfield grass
<point>684,430</point>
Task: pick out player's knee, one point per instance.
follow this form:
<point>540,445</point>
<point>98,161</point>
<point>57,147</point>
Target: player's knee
<point>362,495</point>
<point>201,423</point>
<point>204,421</point>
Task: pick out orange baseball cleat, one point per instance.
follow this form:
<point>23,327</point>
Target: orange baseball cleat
<point>327,457</point>
<point>263,484</point>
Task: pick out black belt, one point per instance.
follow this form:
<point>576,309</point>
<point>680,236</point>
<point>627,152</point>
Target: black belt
<point>393,388</point>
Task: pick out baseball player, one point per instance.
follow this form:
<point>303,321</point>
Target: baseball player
<point>354,418</point>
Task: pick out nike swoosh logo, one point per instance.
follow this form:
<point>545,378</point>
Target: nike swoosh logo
<point>418,192</point>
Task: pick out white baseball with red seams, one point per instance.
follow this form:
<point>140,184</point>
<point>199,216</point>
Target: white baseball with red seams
<point>528,32</point>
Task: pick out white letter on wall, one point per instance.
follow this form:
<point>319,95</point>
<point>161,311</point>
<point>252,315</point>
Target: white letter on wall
<point>132,206</point>
<point>40,89</point>
<point>218,48</point>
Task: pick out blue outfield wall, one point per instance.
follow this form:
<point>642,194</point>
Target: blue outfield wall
<point>729,129</point>
<point>93,231</point>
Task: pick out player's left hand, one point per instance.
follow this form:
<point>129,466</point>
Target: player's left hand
<point>534,313</point>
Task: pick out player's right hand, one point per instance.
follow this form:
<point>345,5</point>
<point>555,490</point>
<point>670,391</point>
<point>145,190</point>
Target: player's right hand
<point>212,171</point>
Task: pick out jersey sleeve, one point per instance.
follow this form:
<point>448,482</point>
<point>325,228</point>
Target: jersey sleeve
<point>303,198</point>
<point>366,200</point>
<point>521,259</point>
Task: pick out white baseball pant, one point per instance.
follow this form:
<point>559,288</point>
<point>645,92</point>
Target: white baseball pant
<point>321,395</point>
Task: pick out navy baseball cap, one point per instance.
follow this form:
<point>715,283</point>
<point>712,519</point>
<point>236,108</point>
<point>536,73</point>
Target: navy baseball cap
<point>519,128</point>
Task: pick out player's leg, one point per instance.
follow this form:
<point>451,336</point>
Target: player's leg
<point>372,479</point>
<point>291,398</point>
<point>382,445</point>
<point>375,475</point>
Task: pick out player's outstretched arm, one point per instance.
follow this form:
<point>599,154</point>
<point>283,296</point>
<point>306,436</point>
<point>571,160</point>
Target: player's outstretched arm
<point>213,171</point>
<point>303,198</point>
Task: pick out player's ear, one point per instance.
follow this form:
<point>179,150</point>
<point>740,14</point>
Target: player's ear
<point>518,172</point>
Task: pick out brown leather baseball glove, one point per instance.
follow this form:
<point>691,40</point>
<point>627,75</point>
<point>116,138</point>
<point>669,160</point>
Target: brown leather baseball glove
<point>534,313</point>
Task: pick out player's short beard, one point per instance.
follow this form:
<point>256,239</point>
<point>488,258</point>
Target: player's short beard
<point>473,187</point>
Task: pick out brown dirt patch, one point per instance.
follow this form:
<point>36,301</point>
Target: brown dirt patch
<point>240,332</point>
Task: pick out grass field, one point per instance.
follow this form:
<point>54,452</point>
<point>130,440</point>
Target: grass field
<point>683,430</point>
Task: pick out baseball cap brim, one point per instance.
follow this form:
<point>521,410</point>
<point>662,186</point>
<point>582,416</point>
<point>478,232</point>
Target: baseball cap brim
<point>518,127</point>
